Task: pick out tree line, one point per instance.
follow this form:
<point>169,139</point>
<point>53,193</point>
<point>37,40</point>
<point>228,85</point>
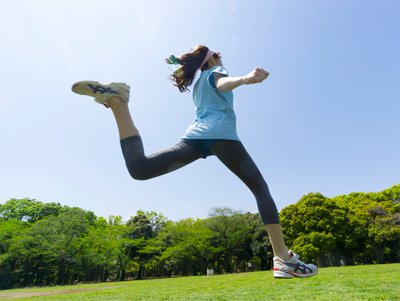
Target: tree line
<point>47,243</point>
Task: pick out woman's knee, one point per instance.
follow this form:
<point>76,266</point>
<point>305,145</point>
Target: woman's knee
<point>139,177</point>
<point>138,173</point>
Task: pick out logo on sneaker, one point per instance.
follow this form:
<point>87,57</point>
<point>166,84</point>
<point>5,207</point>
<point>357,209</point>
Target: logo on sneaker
<point>299,267</point>
<point>102,90</point>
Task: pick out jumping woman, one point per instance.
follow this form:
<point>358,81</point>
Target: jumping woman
<point>213,132</point>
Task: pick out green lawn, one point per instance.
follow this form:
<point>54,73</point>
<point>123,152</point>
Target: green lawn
<point>372,282</point>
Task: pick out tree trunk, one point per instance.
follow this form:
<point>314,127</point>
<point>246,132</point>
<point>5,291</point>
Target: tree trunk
<point>263,264</point>
<point>322,261</point>
<point>67,275</point>
<point>379,252</point>
<point>348,259</point>
<point>269,264</point>
<point>139,275</point>
<point>194,271</point>
<point>335,258</point>
<point>219,271</point>
<point>122,275</point>
<point>101,274</point>
<point>40,279</point>
<point>184,270</point>
<point>105,275</point>
<point>380,256</point>
<point>203,267</point>
<point>60,275</point>
<point>227,264</point>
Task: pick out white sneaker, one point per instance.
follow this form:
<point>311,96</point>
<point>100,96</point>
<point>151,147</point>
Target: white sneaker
<point>101,92</point>
<point>293,268</point>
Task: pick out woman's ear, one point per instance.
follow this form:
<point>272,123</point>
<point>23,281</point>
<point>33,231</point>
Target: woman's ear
<point>212,61</point>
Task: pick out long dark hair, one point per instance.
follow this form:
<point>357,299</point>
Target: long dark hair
<point>190,62</point>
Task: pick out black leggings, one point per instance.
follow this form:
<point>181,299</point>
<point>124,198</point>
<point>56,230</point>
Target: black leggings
<point>231,153</point>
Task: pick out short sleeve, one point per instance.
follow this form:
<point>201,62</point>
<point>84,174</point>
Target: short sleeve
<point>210,78</point>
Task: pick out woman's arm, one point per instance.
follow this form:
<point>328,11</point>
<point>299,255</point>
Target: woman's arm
<point>225,83</point>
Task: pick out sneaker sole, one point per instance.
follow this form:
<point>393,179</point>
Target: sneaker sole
<point>89,88</point>
<point>290,275</point>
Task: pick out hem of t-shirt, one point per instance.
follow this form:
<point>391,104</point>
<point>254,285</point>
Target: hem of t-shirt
<point>205,137</point>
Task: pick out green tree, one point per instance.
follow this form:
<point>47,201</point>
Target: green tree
<point>49,248</point>
<point>315,245</point>
<point>363,241</point>
<point>392,194</point>
<point>142,227</point>
<point>383,227</point>
<point>28,210</point>
<point>157,221</point>
<point>190,240</point>
<point>232,229</point>
<point>10,231</point>
<point>315,213</point>
<point>116,243</point>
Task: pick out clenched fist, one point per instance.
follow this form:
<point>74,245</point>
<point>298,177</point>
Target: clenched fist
<point>256,76</point>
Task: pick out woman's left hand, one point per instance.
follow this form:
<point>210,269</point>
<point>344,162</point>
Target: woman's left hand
<point>256,76</point>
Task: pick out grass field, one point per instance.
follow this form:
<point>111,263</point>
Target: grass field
<point>372,282</point>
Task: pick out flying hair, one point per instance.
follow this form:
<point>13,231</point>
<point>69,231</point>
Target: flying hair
<point>189,63</point>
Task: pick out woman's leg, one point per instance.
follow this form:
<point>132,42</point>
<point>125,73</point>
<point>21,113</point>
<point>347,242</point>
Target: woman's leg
<point>126,128</point>
<point>234,156</point>
<point>143,167</point>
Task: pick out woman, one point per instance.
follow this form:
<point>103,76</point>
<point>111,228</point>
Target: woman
<point>213,132</point>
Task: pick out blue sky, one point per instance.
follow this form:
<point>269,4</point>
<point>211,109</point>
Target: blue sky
<point>326,120</point>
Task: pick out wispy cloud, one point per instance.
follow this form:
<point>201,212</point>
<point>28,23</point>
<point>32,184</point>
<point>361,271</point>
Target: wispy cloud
<point>233,8</point>
<point>63,44</point>
<point>234,40</point>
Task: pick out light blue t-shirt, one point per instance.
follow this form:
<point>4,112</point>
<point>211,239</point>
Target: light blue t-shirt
<point>215,118</point>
